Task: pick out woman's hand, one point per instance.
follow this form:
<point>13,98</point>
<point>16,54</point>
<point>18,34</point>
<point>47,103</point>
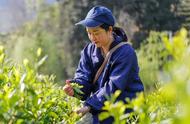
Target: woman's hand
<point>82,111</point>
<point>68,88</point>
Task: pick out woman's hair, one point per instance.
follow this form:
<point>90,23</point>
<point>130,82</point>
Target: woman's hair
<point>117,30</point>
<point>105,26</point>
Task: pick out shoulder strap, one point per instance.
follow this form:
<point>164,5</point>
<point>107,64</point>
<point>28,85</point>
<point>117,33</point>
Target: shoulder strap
<point>108,55</point>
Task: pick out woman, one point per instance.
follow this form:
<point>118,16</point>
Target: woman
<point>120,72</point>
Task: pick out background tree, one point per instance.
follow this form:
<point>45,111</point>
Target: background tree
<point>183,10</point>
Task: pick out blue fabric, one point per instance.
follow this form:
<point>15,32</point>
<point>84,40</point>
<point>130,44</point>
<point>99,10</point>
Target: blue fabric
<point>96,16</point>
<point>120,73</point>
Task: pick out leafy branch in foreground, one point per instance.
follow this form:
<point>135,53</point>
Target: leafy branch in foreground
<point>77,90</point>
<point>26,96</point>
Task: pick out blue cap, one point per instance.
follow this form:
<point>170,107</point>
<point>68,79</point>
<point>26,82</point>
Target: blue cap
<point>96,16</point>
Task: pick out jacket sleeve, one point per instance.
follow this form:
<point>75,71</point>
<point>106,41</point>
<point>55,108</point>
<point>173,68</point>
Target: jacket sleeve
<point>83,74</point>
<point>118,79</point>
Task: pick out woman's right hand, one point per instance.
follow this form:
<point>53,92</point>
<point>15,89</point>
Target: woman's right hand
<point>68,88</point>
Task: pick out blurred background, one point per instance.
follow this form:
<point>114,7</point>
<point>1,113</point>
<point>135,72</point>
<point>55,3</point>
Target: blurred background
<point>26,25</point>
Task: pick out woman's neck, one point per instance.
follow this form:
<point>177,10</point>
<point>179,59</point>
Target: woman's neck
<point>107,46</point>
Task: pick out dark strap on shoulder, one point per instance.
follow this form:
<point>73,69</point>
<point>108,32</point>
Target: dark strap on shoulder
<point>108,55</point>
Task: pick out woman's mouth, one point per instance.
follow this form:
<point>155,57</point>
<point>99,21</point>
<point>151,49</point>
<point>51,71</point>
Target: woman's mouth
<point>95,42</point>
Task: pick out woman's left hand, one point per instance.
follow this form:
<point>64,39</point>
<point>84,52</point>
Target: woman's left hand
<point>83,110</point>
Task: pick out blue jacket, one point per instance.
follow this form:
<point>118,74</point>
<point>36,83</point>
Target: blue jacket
<point>120,73</point>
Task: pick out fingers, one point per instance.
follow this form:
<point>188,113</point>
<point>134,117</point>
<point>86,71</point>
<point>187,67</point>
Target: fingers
<point>68,82</point>
<point>70,92</point>
<point>68,89</point>
<point>83,110</point>
<point>80,111</point>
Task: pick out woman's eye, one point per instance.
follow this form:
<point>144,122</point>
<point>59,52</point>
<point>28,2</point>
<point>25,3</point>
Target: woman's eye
<point>93,33</point>
<point>96,33</point>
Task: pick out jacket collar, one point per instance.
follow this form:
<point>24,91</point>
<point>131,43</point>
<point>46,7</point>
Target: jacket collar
<point>117,40</point>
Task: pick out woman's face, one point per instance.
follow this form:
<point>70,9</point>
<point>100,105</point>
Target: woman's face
<point>99,36</point>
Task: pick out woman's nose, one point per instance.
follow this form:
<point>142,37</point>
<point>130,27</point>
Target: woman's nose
<point>93,38</point>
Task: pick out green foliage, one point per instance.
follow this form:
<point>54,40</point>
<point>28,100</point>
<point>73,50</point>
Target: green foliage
<point>77,92</point>
<point>177,46</point>
<point>156,107</point>
<point>179,74</point>
<point>26,96</point>
<point>114,109</point>
<point>152,55</point>
<point>41,32</point>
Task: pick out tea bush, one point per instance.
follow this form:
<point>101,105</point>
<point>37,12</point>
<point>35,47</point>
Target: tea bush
<point>152,55</point>
<point>26,96</point>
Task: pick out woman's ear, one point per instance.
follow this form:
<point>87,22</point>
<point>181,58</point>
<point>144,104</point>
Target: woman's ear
<point>110,28</point>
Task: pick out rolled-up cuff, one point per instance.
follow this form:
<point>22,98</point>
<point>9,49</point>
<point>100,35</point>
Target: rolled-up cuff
<point>94,104</point>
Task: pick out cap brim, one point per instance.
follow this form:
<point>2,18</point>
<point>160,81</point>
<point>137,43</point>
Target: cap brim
<point>89,23</point>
